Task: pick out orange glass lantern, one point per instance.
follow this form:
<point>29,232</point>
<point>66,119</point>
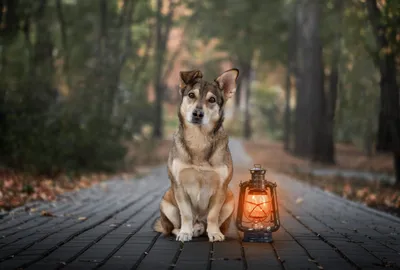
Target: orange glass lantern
<point>257,214</point>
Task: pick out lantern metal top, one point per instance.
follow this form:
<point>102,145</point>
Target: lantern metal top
<point>257,169</point>
<point>258,173</point>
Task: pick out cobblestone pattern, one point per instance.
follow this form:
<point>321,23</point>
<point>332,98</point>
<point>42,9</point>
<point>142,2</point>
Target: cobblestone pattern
<point>109,226</point>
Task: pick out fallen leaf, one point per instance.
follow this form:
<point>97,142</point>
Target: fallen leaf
<point>8,183</point>
<point>82,218</point>
<point>45,213</point>
<point>299,200</point>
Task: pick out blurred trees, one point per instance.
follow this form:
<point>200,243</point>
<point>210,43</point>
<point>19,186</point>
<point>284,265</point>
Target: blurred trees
<point>72,82</point>
<point>333,59</point>
<point>243,28</point>
<point>74,74</point>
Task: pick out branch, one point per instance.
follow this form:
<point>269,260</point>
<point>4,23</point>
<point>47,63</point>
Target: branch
<point>127,33</point>
<point>168,24</point>
<point>375,17</point>
<point>142,64</point>
<point>170,63</point>
<point>123,14</point>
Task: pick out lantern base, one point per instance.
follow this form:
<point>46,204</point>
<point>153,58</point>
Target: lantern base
<point>257,237</point>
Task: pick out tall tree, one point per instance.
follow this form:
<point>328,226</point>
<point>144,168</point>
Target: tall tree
<point>64,39</point>
<point>324,150</point>
<point>332,91</point>
<point>248,74</point>
<point>290,71</point>
<point>163,27</point>
<point>312,135</point>
<point>314,78</point>
<point>384,21</point>
<point>302,119</point>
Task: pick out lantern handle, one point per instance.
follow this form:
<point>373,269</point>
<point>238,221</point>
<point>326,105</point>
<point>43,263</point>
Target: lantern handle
<point>259,166</point>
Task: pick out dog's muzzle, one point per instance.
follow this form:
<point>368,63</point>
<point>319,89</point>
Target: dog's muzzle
<point>197,116</point>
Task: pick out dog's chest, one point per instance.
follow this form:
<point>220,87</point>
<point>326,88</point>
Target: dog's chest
<point>201,190</point>
<point>197,143</point>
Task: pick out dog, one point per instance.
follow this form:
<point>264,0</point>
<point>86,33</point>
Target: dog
<point>199,163</point>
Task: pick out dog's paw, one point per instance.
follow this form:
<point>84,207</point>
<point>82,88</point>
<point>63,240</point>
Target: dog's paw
<point>198,229</point>
<point>216,236</point>
<point>184,236</point>
<point>176,231</point>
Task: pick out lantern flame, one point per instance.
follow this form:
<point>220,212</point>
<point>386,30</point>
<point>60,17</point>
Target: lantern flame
<point>257,205</point>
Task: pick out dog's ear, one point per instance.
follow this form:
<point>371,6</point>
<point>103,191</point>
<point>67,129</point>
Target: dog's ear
<point>227,82</point>
<point>188,77</point>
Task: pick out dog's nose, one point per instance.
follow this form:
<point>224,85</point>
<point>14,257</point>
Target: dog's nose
<point>198,113</point>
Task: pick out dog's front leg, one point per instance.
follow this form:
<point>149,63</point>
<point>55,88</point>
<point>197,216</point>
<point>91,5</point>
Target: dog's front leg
<point>186,231</point>
<point>216,203</point>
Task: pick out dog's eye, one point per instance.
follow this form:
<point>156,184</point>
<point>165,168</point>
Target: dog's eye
<point>211,100</point>
<point>191,95</point>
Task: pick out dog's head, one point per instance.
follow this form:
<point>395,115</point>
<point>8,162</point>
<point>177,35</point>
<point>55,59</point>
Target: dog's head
<point>202,102</point>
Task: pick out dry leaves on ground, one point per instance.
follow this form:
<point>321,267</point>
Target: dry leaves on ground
<point>17,189</point>
<point>372,193</point>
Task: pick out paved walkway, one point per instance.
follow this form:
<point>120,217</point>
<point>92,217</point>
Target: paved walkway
<point>109,227</point>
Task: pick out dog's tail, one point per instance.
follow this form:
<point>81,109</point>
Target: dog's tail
<point>163,225</point>
<point>158,227</point>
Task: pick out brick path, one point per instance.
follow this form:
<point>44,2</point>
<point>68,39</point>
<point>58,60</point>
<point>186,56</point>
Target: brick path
<point>109,227</point>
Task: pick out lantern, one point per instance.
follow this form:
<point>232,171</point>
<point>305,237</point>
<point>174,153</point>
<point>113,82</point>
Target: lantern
<point>257,214</point>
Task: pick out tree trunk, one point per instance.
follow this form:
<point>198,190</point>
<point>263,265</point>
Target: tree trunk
<point>98,101</point>
<point>287,117</point>
<point>64,41</point>
<point>327,145</point>
<point>321,116</point>
<point>43,50</point>
<point>239,87</point>
<point>389,107</point>
<point>158,127</point>
<point>322,150</point>
<point>389,115</point>
<point>246,83</point>
<point>125,37</point>
<point>290,70</point>
<point>162,34</point>
<point>140,67</point>
<point>368,138</point>
<point>331,109</point>
<point>396,166</point>
<point>302,123</point>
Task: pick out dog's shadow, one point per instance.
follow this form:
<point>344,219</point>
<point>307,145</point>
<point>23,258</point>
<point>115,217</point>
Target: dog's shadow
<point>200,239</point>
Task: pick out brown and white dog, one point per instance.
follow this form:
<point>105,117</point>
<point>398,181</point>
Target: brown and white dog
<point>200,163</point>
